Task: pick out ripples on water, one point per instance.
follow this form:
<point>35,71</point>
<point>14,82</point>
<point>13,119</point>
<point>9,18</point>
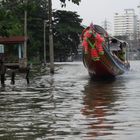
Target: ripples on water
<point>70,106</point>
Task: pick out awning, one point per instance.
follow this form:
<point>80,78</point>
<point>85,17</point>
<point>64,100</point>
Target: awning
<point>12,40</point>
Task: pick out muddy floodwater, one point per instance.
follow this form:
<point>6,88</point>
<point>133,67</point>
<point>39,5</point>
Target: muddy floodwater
<point>70,106</point>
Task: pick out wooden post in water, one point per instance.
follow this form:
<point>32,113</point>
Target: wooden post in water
<point>51,38</point>
<point>2,73</point>
<point>13,74</point>
<point>27,74</point>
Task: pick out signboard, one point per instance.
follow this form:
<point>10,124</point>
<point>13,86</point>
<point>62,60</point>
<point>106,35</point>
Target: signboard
<point>1,48</point>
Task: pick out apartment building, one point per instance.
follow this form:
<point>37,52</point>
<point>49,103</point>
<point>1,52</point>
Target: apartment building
<point>126,23</point>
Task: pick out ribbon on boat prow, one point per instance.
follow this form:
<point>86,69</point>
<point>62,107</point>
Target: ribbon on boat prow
<point>92,39</point>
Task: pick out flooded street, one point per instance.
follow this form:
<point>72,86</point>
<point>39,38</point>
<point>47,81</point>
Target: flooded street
<point>69,106</point>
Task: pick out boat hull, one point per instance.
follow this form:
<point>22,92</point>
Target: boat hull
<point>107,66</point>
<point>103,55</point>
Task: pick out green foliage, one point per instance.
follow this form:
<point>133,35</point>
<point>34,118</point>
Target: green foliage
<point>67,32</point>
<point>14,21</point>
<point>10,23</point>
<point>66,26</point>
<point>74,1</point>
<point>4,26</point>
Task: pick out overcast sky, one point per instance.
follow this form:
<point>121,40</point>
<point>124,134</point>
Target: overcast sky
<point>97,11</point>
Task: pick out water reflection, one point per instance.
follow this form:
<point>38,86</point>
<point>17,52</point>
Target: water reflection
<point>99,103</point>
<point>68,106</point>
<point>26,111</point>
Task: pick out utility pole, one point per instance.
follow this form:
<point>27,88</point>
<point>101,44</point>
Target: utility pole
<point>106,26</point>
<point>25,37</point>
<point>51,38</point>
<point>45,42</point>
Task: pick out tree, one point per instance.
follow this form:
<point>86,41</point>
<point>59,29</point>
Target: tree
<point>37,12</point>
<point>6,20</point>
<point>66,25</point>
<point>74,1</point>
<point>67,30</point>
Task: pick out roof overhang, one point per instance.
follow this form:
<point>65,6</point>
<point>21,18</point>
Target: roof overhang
<point>12,40</point>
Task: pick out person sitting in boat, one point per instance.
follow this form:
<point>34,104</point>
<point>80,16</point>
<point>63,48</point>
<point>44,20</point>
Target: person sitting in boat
<point>121,52</point>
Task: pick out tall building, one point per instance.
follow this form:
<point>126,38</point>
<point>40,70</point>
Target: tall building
<point>139,21</point>
<point>126,23</point>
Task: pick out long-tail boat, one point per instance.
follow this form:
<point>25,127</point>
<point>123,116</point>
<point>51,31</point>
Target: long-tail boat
<point>104,56</point>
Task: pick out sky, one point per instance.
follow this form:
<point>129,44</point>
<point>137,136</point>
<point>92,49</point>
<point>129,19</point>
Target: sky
<point>97,11</point>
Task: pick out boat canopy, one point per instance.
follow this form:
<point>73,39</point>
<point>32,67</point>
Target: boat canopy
<point>115,43</point>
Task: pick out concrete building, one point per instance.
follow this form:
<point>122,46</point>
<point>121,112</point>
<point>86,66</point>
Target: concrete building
<point>126,24</point>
